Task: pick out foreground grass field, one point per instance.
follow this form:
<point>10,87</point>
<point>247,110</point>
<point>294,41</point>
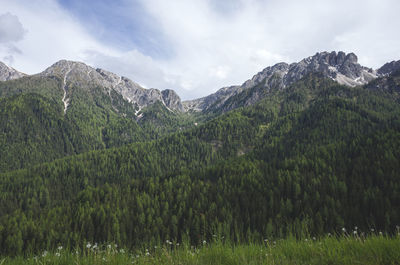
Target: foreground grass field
<point>374,249</point>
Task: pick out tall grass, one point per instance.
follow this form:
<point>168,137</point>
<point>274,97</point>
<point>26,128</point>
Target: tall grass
<point>344,249</point>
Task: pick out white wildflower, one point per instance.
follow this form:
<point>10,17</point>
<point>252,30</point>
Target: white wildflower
<point>58,254</point>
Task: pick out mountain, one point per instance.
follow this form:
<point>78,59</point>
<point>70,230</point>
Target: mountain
<point>8,73</point>
<point>340,67</point>
<point>72,108</point>
<point>82,75</point>
<point>304,161</point>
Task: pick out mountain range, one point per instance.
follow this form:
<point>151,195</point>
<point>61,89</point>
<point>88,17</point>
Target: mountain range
<point>338,66</point>
<point>301,149</point>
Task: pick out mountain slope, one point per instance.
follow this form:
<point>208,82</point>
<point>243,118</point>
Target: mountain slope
<point>341,67</point>
<point>80,75</point>
<point>313,158</point>
<point>73,108</point>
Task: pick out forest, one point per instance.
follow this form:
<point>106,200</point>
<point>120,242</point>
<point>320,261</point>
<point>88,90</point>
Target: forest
<point>315,158</point>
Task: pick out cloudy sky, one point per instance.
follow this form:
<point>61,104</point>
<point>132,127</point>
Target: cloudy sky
<point>193,46</point>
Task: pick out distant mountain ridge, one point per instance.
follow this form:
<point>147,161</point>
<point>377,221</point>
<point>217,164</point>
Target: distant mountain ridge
<point>81,74</point>
<point>340,67</point>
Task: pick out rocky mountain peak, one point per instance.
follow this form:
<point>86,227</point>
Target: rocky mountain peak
<point>339,66</point>
<point>9,73</point>
<point>389,68</point>
<point>84,76</point>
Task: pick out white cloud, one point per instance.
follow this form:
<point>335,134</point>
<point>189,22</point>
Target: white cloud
<point>51,34</point>
<point>213,43</point>
<point>11,29</point>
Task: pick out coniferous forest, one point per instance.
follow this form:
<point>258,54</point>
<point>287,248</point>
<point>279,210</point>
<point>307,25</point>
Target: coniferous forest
<point>313,159</point>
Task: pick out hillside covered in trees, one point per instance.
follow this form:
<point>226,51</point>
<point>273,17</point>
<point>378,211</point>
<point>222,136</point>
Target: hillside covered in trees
<point>313,158</point>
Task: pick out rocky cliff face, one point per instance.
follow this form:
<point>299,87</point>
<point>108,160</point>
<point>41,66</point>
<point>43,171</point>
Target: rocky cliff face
<point>389,68</point>
<point>341,67</point>
<point>8,73</point>
<point>172,100</point>
<point>84,76</point>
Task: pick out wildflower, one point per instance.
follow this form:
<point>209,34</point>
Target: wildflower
<point>380,233</point>
<point>108,246</point>
<point>329,234</point>
<point>147,253</point>
<point>355,232</point>
<point>344,230</point>
<point>115,245</point>
<point>355,228</point>
<point>44,253</point>
<point>155,247</point>
<point>104,259</point>
<point>266,240</point>
<point>204,242</point>
<point>88,245</point>
<point>314,238</point>
<point>372,230</point>
<point>60,248</point>
<point>58,254</point>
<point>177,244</point>
<point>122,251</point>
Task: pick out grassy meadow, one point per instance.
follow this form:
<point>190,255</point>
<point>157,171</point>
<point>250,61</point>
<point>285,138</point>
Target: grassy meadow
<point>343,249</point>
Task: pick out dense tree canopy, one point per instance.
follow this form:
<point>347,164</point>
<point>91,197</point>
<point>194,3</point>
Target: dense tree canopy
<point>313,158</point>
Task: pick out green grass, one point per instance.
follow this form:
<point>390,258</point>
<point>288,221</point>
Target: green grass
<point>374,249</point>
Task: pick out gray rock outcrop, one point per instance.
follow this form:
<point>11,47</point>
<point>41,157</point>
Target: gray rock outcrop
<point>341,67</point>
<point>8,73</point>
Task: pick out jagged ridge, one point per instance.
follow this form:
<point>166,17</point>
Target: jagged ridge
<point>82,75</point>
<point>341,67</point>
